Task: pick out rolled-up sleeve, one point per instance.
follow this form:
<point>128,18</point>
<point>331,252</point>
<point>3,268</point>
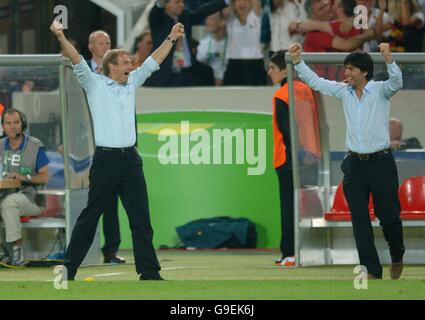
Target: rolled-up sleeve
<point>144,71</point>
<point>395,81</point>
<point>326,87</point>
<point>85,76</point>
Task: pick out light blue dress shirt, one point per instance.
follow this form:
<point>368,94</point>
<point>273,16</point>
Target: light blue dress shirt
<point>112,105</point>
<point>367,118</point>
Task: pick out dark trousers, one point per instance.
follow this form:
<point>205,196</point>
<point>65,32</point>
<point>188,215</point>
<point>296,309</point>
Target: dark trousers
<point>115,172</point>
<point>245,73</point>
<point>378,176</point>
<point>286,192</point>
<point>111,227</point>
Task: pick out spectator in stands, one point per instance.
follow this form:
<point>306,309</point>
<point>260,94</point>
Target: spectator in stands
<point>369,167</point>
<point>282,13</point>
<point>202,73</point>
<point>246,60</point>
<point>143,47</point>
<point>408,30</point>
<point>99,44</point>
<point>212,49</point>
<point>342,27</point>
<point>330,36</point>
<point>397,142</point>
<point>177,68</point>
<point>23,159</point>
<point>323,39</point>
<point>379,21</point>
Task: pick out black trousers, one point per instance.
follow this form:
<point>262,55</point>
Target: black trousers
<point>111,227</point>
<point>245,73</point>
<point>115,172</point>
<point>286,192</point>
<point>378,176</point>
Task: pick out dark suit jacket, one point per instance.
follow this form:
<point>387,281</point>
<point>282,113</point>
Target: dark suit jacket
<point>161,25</point>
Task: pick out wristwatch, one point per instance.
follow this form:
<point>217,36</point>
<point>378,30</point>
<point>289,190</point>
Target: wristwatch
<point>29,177</point>
<point>171,40</point>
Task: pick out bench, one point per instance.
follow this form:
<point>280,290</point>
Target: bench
<point>52,216</point>
<point>412,202</point>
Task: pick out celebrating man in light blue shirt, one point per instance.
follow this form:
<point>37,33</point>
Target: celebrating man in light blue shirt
<point>117,167</point>
<point>369,167</point>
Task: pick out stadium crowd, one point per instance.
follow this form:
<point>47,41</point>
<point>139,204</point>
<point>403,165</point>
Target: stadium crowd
<point>240,38</point>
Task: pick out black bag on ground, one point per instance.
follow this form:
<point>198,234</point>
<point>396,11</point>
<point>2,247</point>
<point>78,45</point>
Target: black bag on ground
<point>219,232</point>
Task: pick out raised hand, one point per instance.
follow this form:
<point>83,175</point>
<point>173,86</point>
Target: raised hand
<point>385,51</point>
<point>177,31</point>
<point>295,52</point>
<point>57,28</point>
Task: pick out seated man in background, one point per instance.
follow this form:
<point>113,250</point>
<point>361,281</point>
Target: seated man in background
<point>396,133</point>
<point>24,159</point>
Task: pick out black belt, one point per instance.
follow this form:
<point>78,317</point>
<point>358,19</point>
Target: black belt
<point>367,156</point>
<point>121,150</point>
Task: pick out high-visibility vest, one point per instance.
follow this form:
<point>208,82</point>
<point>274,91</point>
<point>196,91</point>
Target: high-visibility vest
<point>306,118</point>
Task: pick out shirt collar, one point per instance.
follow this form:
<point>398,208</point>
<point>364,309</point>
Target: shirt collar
<point>94,65</point>
<point>110,82</point>
<point>368,87</point>
<point>21,146</point>
<point>284,81</point>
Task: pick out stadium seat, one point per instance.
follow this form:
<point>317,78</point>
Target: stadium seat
<point>412,198</point>
<point>340,210</point>
<point>53,207</point>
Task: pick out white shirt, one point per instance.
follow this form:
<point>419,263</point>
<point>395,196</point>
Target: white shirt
<point>112,105</point>
<point>279,22</point>
<point>372,45</point>
<point>213,53</point>
<point>244,40</point>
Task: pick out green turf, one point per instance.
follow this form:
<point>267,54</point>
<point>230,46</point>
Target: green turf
<point>213,275</point>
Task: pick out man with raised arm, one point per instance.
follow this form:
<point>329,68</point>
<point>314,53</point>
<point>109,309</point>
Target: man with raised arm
<point>116,167</point>
<point>369,167</point>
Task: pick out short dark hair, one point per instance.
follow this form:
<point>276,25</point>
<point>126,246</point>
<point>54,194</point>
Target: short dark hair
<point>348,7</point>
<point>278,58</point>
<point>361,60</point>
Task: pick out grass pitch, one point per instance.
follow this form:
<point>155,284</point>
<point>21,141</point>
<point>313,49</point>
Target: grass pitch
<point>218,275</point>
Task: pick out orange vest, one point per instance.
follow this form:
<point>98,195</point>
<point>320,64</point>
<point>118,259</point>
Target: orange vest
<point>306,118</point>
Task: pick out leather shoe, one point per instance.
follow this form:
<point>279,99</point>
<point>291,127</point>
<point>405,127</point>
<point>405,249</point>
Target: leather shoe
<point>151,277</point>
<point>396,269</point>
<point>113,258</point>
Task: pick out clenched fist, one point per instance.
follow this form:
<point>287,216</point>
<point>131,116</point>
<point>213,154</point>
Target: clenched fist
<point>295,52</point>
<point>385,51</point>
<point>57,28</point>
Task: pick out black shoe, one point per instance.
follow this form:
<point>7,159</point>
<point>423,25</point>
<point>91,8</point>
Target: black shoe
<point>113,258</point>
<point>151,277</point>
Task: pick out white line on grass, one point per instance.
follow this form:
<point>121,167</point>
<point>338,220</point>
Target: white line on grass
<point>108,275</point>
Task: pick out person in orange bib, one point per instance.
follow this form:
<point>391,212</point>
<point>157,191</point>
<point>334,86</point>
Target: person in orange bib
<point>282,157</point>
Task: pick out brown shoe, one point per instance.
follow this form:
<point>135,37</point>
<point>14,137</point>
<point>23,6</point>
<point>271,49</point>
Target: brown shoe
<point>396,269</point>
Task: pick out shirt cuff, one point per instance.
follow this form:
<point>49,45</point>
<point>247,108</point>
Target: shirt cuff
<point>392,64</point>
<point>300,66</point>
<point>79,65</point>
